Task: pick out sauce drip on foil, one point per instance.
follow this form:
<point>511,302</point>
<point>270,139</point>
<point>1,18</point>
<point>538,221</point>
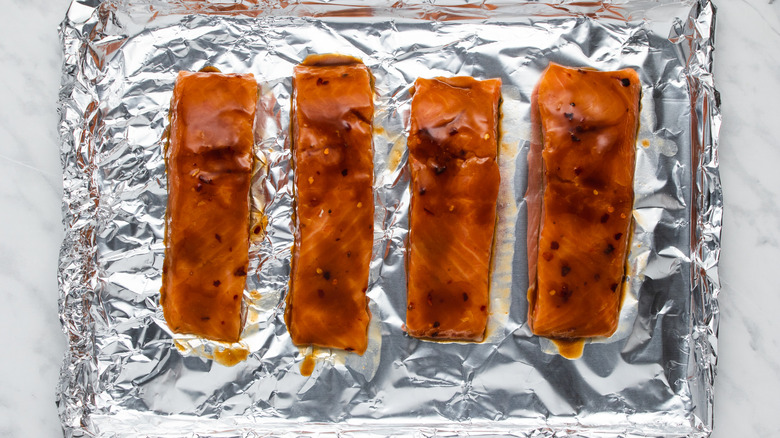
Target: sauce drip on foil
<point>231,356</point>
<point>570,348</point>
<point>307,365</point>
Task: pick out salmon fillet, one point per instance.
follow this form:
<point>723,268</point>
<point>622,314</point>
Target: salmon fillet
<point>209,164</point>
<point>580,197</point>
<point>452,157</point>
<point>331,127</point>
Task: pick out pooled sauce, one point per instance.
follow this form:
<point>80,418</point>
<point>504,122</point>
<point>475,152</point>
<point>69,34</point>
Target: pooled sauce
<point>230,356</point>
<point>396,153</point>
<point>259,225</point>
<point>570,348</point>
<point>179,345</point>
<point>307,365</point>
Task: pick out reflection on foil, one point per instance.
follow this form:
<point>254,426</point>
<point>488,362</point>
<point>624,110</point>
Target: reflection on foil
<point>126,374</point>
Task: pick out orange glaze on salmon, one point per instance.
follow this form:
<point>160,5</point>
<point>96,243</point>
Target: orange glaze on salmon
<point>580,197</point>
<point>452,156</point>
<point>209,163</point>
<point>332,116</point>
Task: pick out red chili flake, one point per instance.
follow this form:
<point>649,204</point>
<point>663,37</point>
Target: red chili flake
<point>554,245</point>
<point>240,272</point>
<point>565,270</point>
<point>618,236</point>
<point>465,296</point>
<point>547,256</point>
<point>436,324</point>
<point>217,283</point>
<point>218,237</point>
<point>566,292</point>
<point>604,218</point>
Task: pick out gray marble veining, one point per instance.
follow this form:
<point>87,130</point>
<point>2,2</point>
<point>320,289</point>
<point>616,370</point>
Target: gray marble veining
<point>30,215</point>
<point>747,60</point>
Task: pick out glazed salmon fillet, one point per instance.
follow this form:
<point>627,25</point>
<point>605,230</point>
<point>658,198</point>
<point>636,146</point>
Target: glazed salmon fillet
<point>452,156</point>
<point>209,164</point>
<point>331,127</point>
<point>580,196</point>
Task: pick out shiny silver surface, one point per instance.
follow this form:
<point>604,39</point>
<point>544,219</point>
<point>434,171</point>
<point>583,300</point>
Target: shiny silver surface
<point>126,374</point>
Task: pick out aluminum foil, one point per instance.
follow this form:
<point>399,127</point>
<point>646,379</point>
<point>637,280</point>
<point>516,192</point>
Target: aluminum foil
<point>126,374</point>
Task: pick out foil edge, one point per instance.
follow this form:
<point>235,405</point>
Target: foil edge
<point>78,254</point>
<point>707,212</point>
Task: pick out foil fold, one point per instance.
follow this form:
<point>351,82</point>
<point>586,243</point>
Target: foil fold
<point>126,374</point>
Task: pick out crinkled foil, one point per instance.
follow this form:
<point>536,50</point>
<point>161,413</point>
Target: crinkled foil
<point>126,374</point>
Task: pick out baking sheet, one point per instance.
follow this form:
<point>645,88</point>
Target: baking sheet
<point>126,374</point>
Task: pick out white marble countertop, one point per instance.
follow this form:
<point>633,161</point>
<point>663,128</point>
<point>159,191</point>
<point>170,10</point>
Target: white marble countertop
<point>747,59</point>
